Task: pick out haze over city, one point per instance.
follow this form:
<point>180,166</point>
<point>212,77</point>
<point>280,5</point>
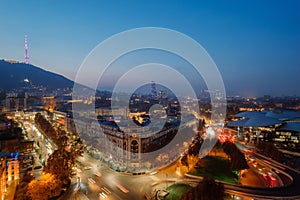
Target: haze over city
<point>254,44</point>
<point>156,100</point>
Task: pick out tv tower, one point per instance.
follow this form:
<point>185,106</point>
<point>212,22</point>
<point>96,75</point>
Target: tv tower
<point>26,50</point>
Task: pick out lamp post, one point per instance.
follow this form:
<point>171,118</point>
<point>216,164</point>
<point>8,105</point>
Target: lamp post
<point>166,181</point>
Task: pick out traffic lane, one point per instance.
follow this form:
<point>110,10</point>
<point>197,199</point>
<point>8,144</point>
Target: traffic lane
<point>264,162</point>
<point>293,188</point>
<point>273,178</point>
<point>270,178</point>
<point>252,177</point>
<point>136,184</point>
<point>291,191</point>
<point>70,193</point>
<point>92,189</point>
<point>285,179</point>
<point>108,179</point>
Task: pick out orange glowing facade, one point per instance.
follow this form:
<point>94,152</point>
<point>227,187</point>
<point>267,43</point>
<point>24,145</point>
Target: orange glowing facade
<point>12,169</point>
<point>3,179</point>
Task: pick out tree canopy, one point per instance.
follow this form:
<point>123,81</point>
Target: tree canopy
<point>207,189</point>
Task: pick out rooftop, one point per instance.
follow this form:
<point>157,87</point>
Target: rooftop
<point>264,118</point>
<point>290,126</point>
<point>7,136</point>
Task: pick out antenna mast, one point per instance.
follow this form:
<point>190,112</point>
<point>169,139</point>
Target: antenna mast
<point>26,50</point>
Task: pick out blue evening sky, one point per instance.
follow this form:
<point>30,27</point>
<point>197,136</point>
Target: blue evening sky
<point>255,44</point>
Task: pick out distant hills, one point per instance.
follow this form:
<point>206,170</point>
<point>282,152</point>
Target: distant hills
<point>14,75</point>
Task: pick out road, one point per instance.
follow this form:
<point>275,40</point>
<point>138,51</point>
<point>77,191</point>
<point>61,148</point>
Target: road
<point>139,184</point>
<point>46,147</point>
<point>291,191</point>
<point>136,185</point>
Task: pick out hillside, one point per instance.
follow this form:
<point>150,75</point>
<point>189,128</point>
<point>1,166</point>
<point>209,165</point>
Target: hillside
<point>12,76</point>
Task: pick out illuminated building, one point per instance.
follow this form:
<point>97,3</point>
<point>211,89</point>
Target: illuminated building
<point>49,103</point>
<point>13,172</point>
<point>3,176</point>
<point>125,146</point>
<point>279,126</point>
<point>60,117</point>
<point>288,136</point>
<point>11,143</point>
<point>17,151</point>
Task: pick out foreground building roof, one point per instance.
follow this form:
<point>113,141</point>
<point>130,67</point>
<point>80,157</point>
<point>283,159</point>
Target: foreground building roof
<point>265,118</point>
<point>290,126</point>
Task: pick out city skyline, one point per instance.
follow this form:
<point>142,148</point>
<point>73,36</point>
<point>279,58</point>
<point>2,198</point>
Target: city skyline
<point>254,45</point>
<point>164,100</point>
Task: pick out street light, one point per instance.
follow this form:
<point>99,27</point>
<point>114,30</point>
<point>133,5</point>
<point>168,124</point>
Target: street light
<point>166,181</point>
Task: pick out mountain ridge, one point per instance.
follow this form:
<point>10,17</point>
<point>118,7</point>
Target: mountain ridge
<point>15,75</point>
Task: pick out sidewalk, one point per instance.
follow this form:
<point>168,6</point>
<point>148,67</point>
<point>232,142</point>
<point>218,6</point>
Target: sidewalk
<point>81,196</point>
<point>11,189</point>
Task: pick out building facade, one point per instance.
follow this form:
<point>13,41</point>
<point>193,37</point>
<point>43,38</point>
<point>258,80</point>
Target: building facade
<point>127,148</point>
<point>279,126</point>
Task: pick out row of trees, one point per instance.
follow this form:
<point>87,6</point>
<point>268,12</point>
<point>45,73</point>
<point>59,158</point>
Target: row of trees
<point>56,175</point>
<point>191,158</point>
<point>270,150</point>
<point>59,166</point>
<point>46,188</point>
<point>46,126</point>
<point>189,162</point>
<point>236,157</point>
<point>207,189</point>
<point>62,161</point>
